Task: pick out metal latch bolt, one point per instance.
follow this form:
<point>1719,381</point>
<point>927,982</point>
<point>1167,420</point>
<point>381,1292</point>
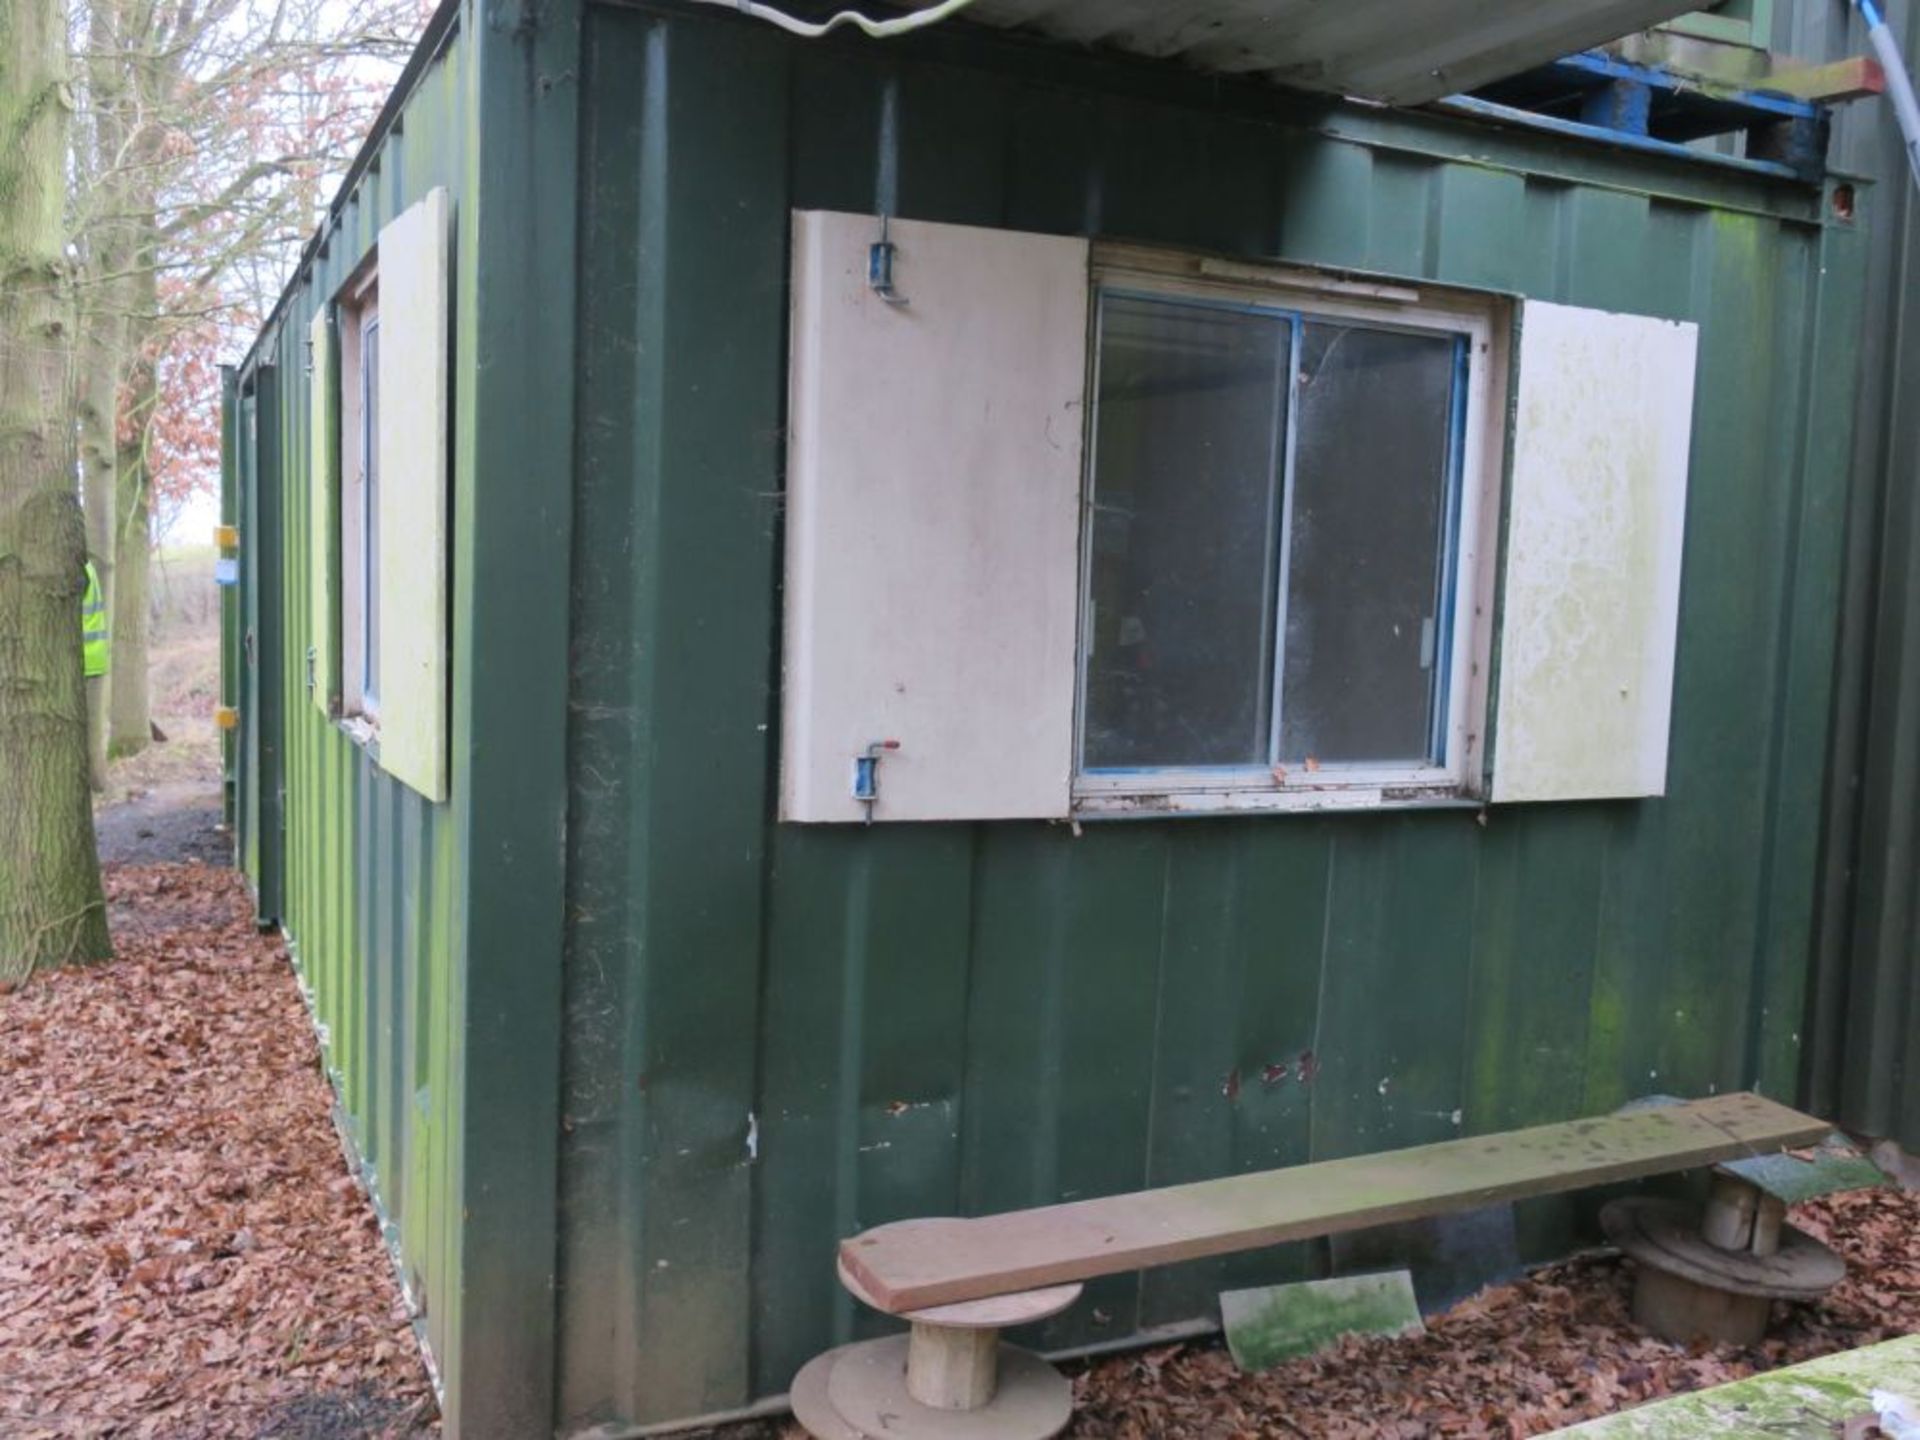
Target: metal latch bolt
<point>866,773</point>
<point>880,257</point>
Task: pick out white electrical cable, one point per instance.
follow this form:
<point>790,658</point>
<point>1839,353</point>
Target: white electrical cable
<point>879,29</point>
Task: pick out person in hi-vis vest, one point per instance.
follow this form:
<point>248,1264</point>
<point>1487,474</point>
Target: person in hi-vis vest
<point>93,626</point>
<point>93,651</point>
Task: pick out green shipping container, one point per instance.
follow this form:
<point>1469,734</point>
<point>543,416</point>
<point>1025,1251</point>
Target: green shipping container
<point>621,1054</point>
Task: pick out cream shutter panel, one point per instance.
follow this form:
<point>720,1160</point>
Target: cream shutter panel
<point>412,496</point>
<point>933,495</point>
<point>323,514</point>
<point>1602,429</point>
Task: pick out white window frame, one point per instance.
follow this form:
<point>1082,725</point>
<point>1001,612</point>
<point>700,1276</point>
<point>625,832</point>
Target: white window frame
<point>359,311</point>
<point>1486,322</point>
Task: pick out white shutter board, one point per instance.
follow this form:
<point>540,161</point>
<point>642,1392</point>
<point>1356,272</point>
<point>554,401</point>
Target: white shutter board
<point>323,512</point>
<point>412,498</point>
<point>1596,519</point>
<point>933,496</point>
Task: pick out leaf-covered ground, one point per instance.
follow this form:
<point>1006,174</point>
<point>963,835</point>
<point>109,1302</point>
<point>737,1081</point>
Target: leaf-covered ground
<point>183,1252</point>
<point>1518,1360</point>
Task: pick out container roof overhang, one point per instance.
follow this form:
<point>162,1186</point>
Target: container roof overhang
<point>1400,52</point>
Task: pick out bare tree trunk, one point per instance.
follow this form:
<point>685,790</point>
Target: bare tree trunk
<point>100,150</point>
<point>51,908</point>
<point>137,308</point>
<point>129,723</point>
<point>98,391</point>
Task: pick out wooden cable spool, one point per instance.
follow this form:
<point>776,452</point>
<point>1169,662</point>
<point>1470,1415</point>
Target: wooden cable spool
<point>950,1377</point>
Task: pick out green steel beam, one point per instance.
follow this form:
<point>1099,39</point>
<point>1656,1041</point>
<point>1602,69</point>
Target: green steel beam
<point>712,230</point>
<point>514,341</point>
<point>268,601</point>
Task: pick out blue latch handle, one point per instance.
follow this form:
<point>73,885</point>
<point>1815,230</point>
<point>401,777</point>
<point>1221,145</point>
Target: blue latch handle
<point>866,773</point>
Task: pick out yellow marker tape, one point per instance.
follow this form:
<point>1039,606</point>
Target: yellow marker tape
<point>226,717</point>
<point>227,537</point>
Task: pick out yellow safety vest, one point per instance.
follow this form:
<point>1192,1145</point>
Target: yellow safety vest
<point>93,626</point>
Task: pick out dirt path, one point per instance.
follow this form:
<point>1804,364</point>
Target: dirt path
<point>174,821</point>
<point>163,805</point>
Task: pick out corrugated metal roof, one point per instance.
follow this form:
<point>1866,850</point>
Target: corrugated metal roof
<point>1405,52</point>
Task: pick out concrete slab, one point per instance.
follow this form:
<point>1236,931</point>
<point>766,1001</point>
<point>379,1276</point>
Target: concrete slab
<point>1815,1401</point>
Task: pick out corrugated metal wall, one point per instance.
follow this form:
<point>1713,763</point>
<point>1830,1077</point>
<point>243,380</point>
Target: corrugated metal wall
<point>1864,1019</point>
<point>777,1035</point>
<point>366,889</point>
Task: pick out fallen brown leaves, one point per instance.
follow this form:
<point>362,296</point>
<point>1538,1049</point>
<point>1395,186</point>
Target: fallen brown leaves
<point>182,1251</point>
<point>1515,1361</point>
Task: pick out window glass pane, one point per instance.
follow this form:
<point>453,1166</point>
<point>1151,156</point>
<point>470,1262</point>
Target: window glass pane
<point>370,516</point>
<point>1188,425</point>
<point>1364,622</point>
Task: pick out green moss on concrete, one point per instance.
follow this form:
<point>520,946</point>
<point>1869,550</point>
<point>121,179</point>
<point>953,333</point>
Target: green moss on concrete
<point>1803,1402</point>
<point>1279,1322</point>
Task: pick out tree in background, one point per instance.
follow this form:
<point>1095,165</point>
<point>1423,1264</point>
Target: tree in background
<point>51,907</point>
<point>208,132</point>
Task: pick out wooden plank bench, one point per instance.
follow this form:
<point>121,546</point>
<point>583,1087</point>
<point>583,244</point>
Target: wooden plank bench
<point>954,1279</point>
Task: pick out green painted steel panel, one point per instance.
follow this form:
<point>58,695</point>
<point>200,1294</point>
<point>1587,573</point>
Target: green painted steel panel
<point>779,1035</point>
<point>616,1131</point>
<point>245,681</point>
<point>660,1061</point>
<point>267,665</point>
<point>511,532</point>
